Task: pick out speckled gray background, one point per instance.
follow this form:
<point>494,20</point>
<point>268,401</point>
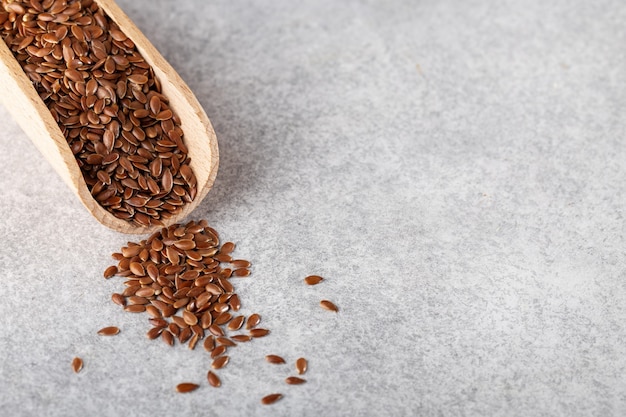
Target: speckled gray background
<point>455,169</point>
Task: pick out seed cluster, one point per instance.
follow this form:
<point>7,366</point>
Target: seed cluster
<point>180,276</point>
<point>107,102</point>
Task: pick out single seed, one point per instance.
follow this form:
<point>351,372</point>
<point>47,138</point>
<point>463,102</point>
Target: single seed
<point>218,351</point>
<point>313,279</point>
<point>209,343</point>
<point>186,387</point>
<point>213,379</point>
<point>242,338</point>
<point>259,332</point>
<point>77,364</point>
<point>135,308</point>
<point>327,305</point>
<point>275,359</point>
<point>253,321</point>
<point>190,318</point>
<point>294,380</point>
<point>108,331</point>
<point>220,362</point>
<point>301,365</point>
<point>224,341</point>
<point>236,323</point>
<point>227,248</point>
<point>118,299</point>
<point>154,332</point>
<point>110,271</point>
<point>271,399</point>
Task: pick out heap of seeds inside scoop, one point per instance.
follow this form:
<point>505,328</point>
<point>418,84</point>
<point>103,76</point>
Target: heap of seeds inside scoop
<point>108,103</point>
<point>180,276</point>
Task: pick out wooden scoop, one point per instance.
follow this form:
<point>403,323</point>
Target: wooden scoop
<point>22,101</point>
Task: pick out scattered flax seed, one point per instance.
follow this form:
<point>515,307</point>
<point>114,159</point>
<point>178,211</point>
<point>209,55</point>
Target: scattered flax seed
<point>110,271</point>
<point>271,399</point>
<point>313,279</point>
<point>213,379</point>
<point>186,387</point>
<point>109,331</point>
<point>327,305</point>
<point>275,359</point>
<point>220,362</point>
<point>118,299</point>
<point>294,380</point>
<point>259,332</point>
<point>77,364</point>
<point>301,365</point>
<point>253,321</point>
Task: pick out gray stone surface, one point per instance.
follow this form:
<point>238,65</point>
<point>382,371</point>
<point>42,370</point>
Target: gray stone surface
<point>455,169</point>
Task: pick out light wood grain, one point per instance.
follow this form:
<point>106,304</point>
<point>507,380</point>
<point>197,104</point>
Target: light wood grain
<point>22,101</point>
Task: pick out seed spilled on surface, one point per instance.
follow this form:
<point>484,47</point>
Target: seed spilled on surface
<point>294,380</point>
<point>186,387</point>
<point>77,365</point>
<point>271,399</point>
<point>327,305</point>
<point>313,279</point>
<point>275,359</point>
<point>301,365</point>
<point>108,331</point>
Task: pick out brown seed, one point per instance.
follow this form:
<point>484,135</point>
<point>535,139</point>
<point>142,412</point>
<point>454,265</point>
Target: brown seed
<point>253,321</point>
<point>213,379</point>
<point>236,323</point>
<point>224,341</point>
<point>154,332</point>
<point>137,269</point>
<point>190,318</point>
<point>167,337</point>
<point>240,263</point>
<point>313,279</point>
<point>241,272</point>
<point>118,299</point>
<point>218,351</point>
<point>77,364</point>
<point>209,343</point>
<point>275,359</point>
<point>327,305</point>
<point>271,399</point>
<point>136,308</point>
<point>259,332</point>
<point>241,338</point>
<point>186,387</point>
<point>301,365</point>
<point>220,362</point>
<point>227,248</point>
<point>216,330</point>
<point>294,380</point>
<point>110,271</point>
<point>108,331</point>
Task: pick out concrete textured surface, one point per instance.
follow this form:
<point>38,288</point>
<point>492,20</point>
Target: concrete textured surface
<point>455,169</point>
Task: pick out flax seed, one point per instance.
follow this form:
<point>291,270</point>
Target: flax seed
<point>108,331</point>
<point>110,271</point>
<point>213,379</point>
<point>294,380</point>
<point>259,332</point>
<point>253,321</point>
<point>301,365</point>
<point>77,365</point>
<point>313,279</point>
<point>327,305</point>
<point>186,387</point>
<point>275,359</point>
<point>220,362</point>
<point>271,399</point>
